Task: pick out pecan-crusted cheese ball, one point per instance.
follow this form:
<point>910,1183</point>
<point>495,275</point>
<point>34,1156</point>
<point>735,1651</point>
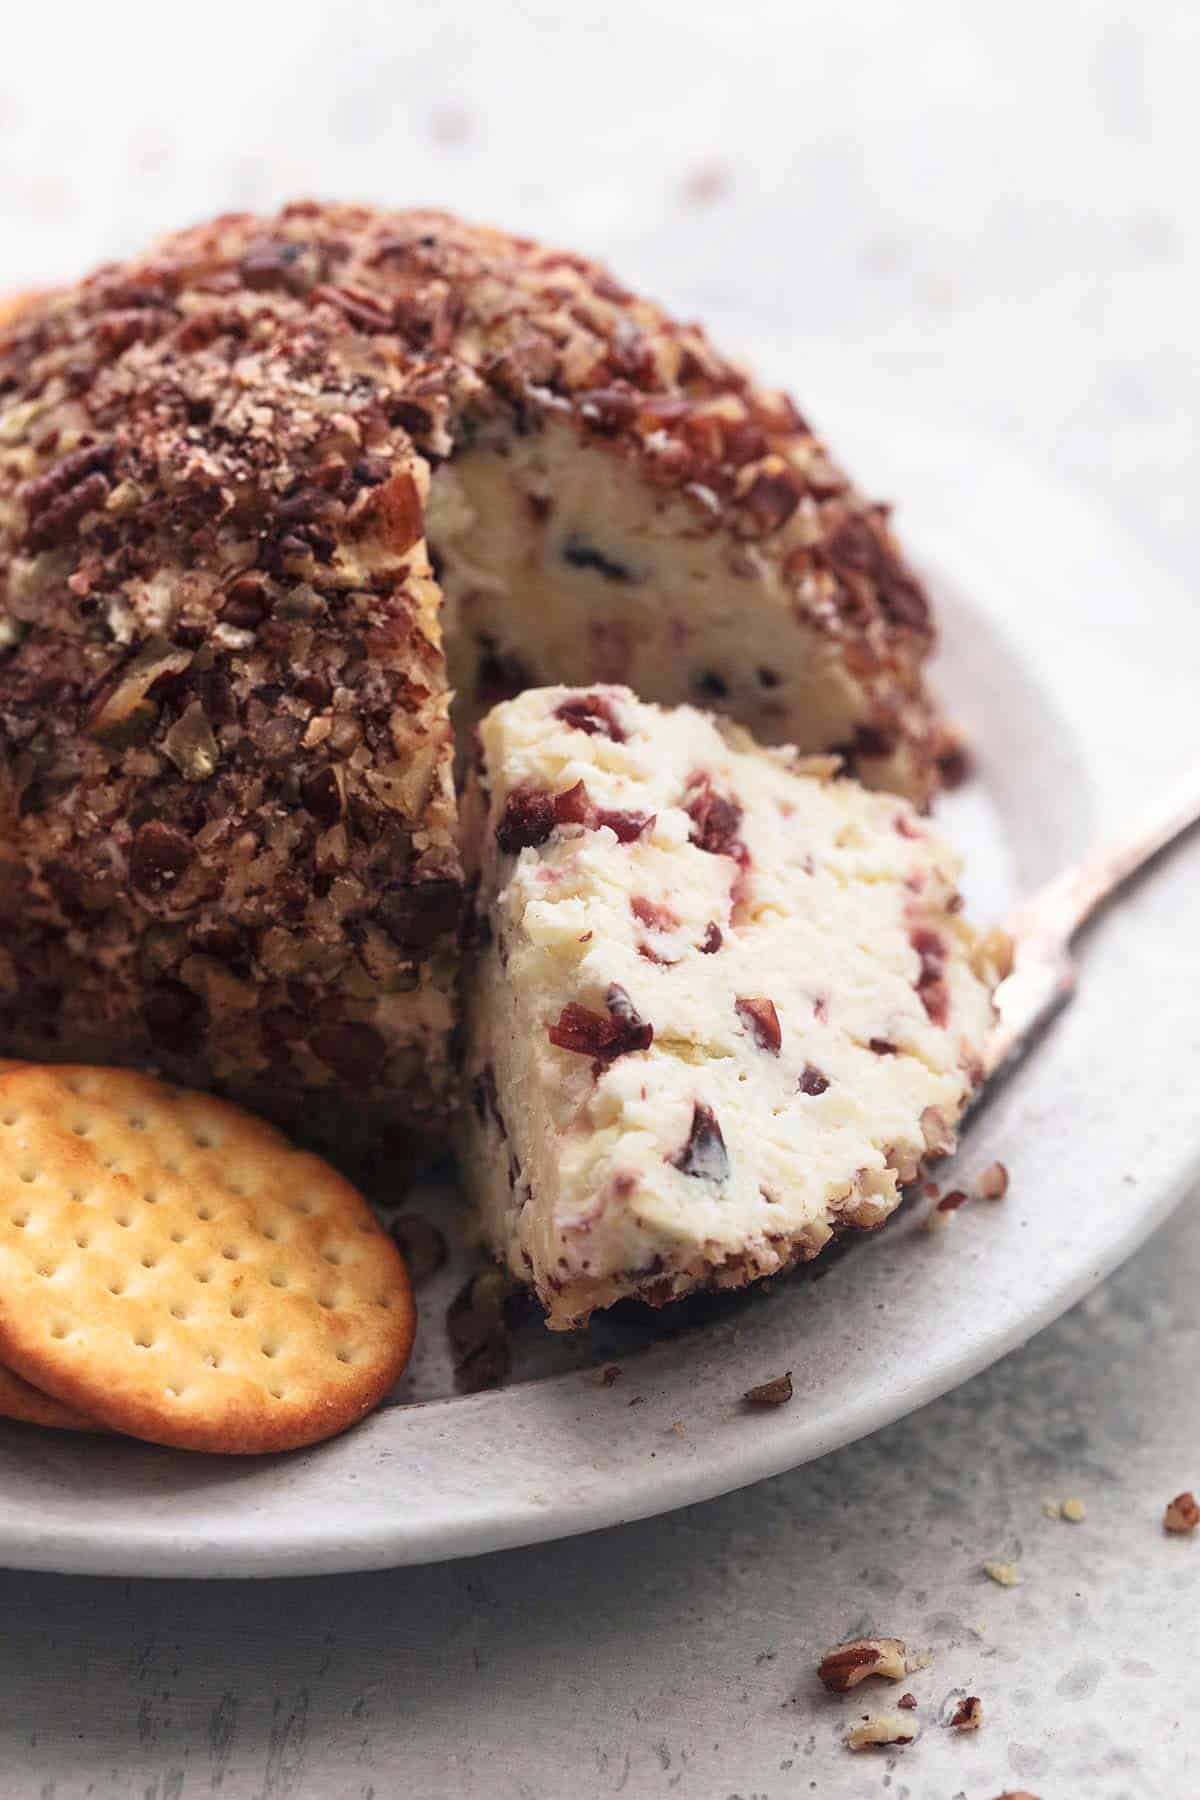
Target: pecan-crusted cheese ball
<point>237,477</point>
<point>227,823</point>
<point>723,1004</point>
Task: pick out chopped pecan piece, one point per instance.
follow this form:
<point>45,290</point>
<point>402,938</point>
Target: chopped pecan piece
<point>1182,1514</point>
<point>881,1731</point>
<point>761,1020</point>
<point>993,1183</point>
<point>843,1667</point>
<point>478,1329</point>
<point>776,1392</point>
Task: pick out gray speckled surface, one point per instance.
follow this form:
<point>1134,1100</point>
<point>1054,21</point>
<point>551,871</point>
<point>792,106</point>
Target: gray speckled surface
<point>987,215</point>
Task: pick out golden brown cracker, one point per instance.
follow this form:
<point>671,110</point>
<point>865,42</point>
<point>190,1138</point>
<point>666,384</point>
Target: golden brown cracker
<point>29,1406</point>
<point>174,1268</point>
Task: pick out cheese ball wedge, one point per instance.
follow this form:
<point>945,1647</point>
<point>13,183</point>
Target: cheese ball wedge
<point>724,1002</point>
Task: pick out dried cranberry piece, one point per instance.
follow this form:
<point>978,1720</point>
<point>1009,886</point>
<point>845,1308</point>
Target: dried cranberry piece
<point>627,825</point>
<point>812,1082</point>
<point>652,913</point>
<point>712,940</point>
<point>573,806</point>
<point>593,713</point>
<point>716,820</point>
<point>588,1033</point>
<point>704,1156</point>
<point>527,820</point>
<point>160,855</point>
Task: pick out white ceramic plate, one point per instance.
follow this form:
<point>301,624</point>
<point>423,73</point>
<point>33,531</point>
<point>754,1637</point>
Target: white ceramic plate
<point>1073,666</point>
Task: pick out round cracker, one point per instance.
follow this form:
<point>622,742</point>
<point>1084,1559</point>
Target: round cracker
<point>29,1406</point>
<point>175,1269</point>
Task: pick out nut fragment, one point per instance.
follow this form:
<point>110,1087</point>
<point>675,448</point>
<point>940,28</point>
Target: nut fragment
<point>1074,1511</point>
<point>843,1667</point>
<point>881,1731</point>
<point>967,1715</point>
<point>776,1392</point>
<point>993,1183</point>
<point>1004,1574</point>
<point>1182,1514</point>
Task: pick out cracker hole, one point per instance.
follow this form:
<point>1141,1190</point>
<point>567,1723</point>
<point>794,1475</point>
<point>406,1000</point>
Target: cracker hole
<point>173,1393</point>
<point>203,1275</point>
<point>29,1175</point>
<point>19,1219</point>
<point>47,1269</point>
<point>231,1253</point>
<point>385,1300</point>
<point>178,1237</point>
<point>11,1118</point>
<point>60,1329</point>
<point>275,1393</point>
<point>345,1356</point>
<point>149,1261</point>
<point>204,1212</point>
<point>279,1278</point>
<point>150,1197</point>
<point>116,1287</point>
<point>238,1309</point>
<point>144,1341</point>
<point>332,1256</point>
<point>137,1121</point>
<point>213,1358</point>
<point>269,1348</point>
<point>180,1311</point>
<point>123,1220</point>
<point>203,1141</point>
<point>74,1085</point>
<point>327,1301</point>
<point>270,1233</point>
<point>81,1127</point>
<point>82,1240</point>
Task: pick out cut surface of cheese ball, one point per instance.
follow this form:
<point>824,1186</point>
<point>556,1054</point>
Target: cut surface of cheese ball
<point>724,1002</point>
<point>246,478</point>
